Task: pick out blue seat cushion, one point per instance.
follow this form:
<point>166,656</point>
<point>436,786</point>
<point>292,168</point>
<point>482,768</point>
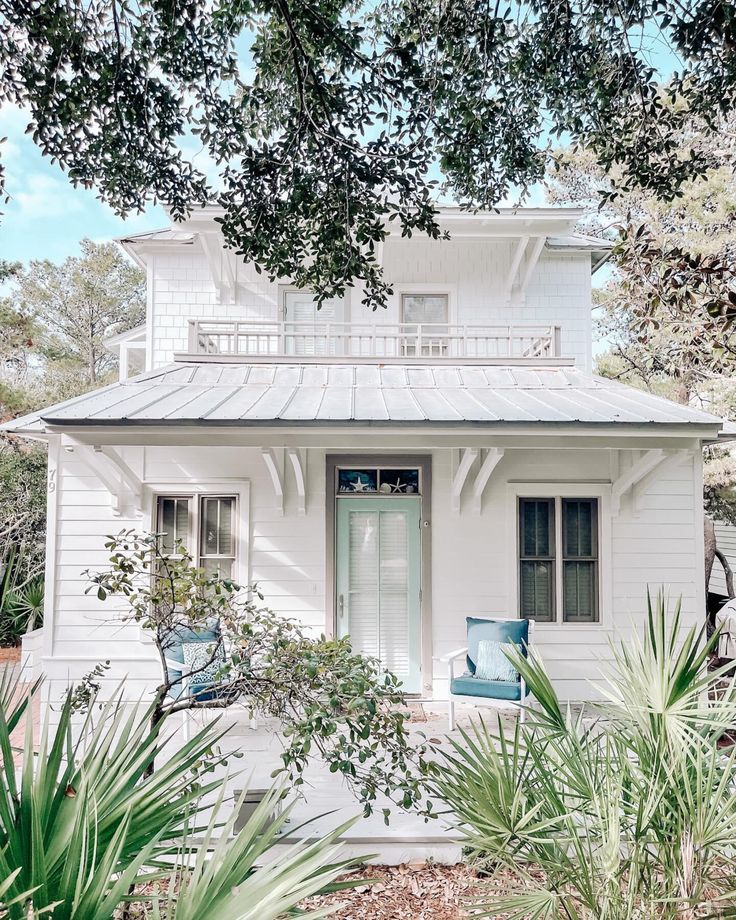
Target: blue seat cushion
<point>506,632</point>
<point>174,651</point>
<point>467,685</point>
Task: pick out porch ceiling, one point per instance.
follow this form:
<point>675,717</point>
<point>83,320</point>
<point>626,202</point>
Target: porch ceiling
<point>213,394</point>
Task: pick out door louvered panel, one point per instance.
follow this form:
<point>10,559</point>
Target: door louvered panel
<point>394,624</point>
<point>363,592</point>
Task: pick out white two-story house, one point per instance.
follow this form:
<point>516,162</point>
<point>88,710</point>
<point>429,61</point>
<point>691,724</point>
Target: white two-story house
<point>383,475</point>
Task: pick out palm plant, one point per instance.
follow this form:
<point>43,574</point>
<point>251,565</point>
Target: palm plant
<point>628,810</point>
<point>85,821</point>
<point>21,600</point>
<point>25,605</point>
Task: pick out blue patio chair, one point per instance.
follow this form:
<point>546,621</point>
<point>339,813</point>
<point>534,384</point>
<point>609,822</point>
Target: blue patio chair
<point>489,675</point>
<point>192,663</point>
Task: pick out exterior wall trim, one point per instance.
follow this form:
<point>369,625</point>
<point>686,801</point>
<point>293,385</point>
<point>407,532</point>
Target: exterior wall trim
<point>424,463</point>
<point>52,530</point>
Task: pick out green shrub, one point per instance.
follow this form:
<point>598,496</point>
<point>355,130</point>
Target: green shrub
<point>628,814</point>
<point>21,597</point>
<point>84,820</point>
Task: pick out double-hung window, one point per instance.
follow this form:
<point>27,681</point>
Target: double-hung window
<point>206,525</point>
<point>559,559</point>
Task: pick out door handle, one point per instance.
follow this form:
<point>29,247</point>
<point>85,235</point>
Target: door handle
<point>341,605</point>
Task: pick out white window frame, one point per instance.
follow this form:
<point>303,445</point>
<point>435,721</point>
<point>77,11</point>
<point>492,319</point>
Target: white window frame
<point>220,488</point>
<point>557,491</point>
<point>427,290</point>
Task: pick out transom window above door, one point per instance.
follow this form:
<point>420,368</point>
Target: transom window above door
<point>378,481</point>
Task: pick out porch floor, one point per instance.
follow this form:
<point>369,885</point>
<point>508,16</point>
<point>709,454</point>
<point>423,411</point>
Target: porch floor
<point>326,800</point>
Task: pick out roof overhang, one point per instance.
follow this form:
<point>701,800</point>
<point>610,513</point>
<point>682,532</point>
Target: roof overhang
<point>490,401</point>
<point>504,222</point>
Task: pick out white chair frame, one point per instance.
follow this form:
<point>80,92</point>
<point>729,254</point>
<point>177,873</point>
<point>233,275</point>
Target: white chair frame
<point>452,698</point>
<point>188,714</point>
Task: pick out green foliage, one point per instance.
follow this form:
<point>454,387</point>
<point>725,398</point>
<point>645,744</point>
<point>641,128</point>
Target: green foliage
<point>628,810</point>
<point>56,318</point>
<point>21,601</point>
<point>23,490</point>
<point>667,311</point>
<point>342,112</point>
<point>329,700</point>
<point>85,820</point>
<point>223,865</point>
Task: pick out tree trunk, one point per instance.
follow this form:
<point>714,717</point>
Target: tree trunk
<point>710,549</point>
<point>727,571</point>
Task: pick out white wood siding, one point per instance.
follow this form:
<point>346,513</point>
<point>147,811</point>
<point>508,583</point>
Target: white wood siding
<point>472,555</point>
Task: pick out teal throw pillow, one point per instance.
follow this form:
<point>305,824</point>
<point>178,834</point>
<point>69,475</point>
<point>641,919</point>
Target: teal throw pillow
<point>492,664</point>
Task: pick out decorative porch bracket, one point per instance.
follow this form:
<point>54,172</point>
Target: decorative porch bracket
<point>516,257</point>
<point>491,460</point>
<point>274,471</point>
<point>642,467</point>
<point>467,459</point>
<point>298,460</point>
<point>124,486</point>
<point>219,265</point>
<point>520,271</point>
<point>671,459</point>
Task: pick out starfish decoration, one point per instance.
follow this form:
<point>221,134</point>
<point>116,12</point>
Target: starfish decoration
<point>360,485</point>
<point>398,486</point>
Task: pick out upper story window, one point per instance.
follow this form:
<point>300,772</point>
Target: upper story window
<point>425,308</point>
<point>425,318</point>
<point>559,559</point>
<point>301,307</point>
<point>305,329</point>
<point>205,525</point>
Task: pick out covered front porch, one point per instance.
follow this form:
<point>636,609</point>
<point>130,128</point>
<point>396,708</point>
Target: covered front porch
<point>387,502</point>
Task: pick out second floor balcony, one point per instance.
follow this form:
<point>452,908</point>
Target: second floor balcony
<point>384,342</point>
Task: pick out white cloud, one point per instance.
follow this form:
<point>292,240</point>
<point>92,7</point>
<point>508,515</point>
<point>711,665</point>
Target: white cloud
<point>38,196</point>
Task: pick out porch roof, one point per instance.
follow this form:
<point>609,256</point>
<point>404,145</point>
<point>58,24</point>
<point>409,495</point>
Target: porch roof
<point>227,394</point>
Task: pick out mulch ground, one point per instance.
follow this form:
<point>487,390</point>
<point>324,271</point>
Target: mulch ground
<point>407,892</point>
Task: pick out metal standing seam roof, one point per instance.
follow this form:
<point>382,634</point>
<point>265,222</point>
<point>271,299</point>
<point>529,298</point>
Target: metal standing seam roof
<point>243,394</point>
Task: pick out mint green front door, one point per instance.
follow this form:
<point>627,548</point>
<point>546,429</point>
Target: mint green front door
<point>378,581</point>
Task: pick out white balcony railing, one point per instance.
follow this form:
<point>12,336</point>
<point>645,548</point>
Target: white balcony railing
<point>362,340</point>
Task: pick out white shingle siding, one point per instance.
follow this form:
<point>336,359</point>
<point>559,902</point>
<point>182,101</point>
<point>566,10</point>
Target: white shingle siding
<point>474,270</point>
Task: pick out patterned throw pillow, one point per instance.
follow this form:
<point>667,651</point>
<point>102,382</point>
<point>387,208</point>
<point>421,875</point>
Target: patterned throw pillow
<point>197,657</point>
<point>492,664</point>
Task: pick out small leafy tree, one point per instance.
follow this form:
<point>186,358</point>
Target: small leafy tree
<point>628,810</point>
<point>329,700</point>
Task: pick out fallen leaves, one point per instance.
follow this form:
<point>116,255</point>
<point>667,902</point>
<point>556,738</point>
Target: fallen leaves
<point>413,891</point>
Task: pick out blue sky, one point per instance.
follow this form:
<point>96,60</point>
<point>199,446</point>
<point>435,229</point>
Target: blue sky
<point>46,217</point>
